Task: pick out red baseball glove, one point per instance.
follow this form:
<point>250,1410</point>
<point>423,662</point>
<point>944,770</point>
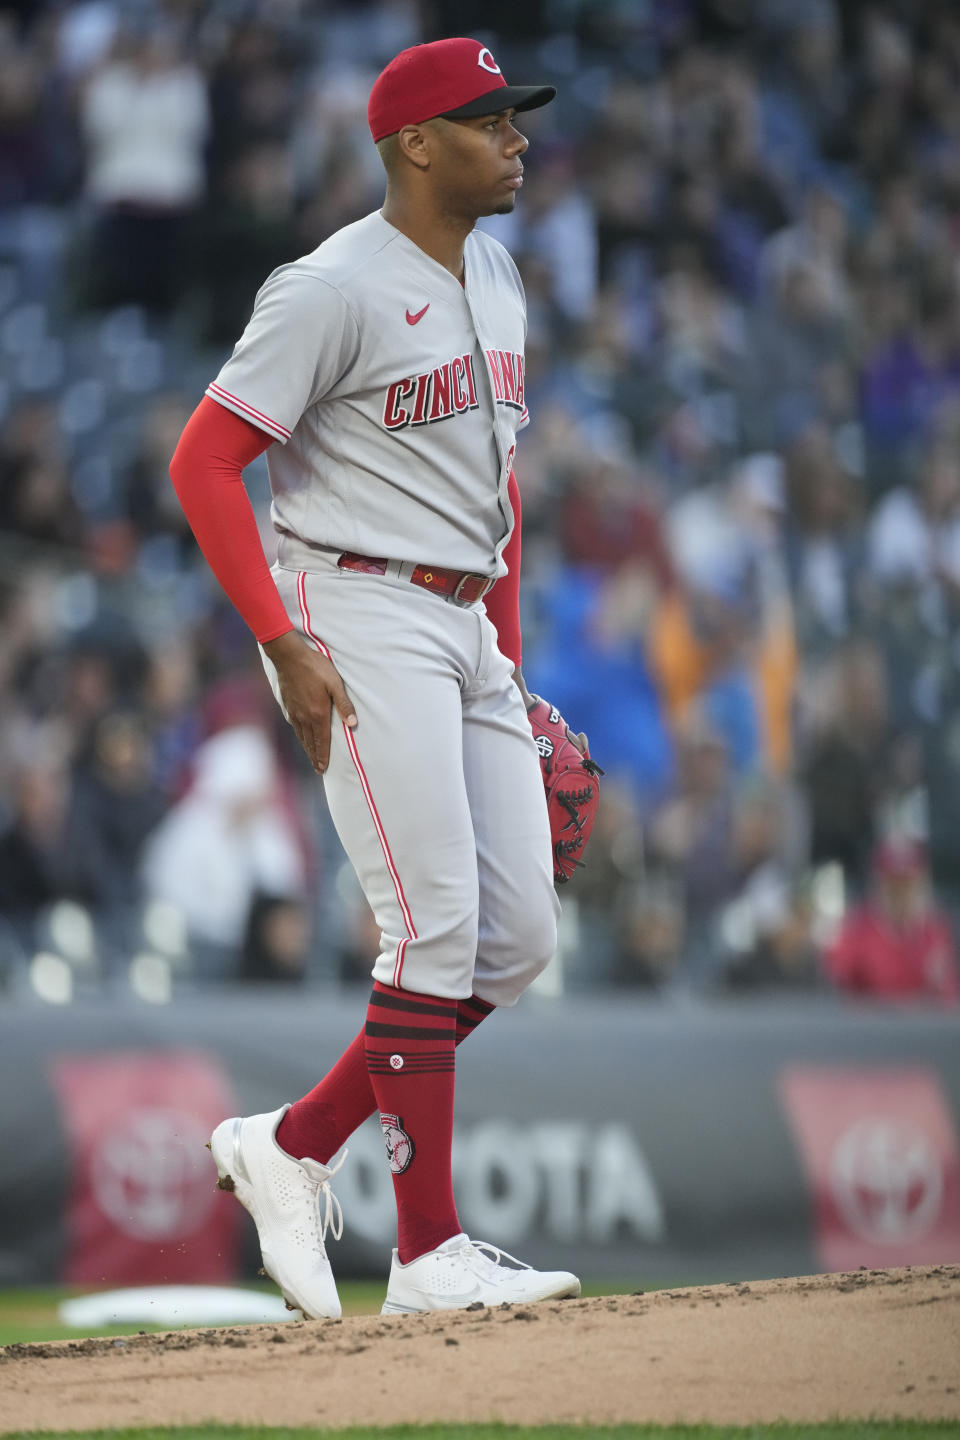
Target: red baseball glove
<point>570,780</point>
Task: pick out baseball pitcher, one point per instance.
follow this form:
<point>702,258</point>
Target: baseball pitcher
<point>384,375</point>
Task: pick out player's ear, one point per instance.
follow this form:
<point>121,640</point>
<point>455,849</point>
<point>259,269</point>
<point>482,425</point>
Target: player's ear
<point>413,145</point>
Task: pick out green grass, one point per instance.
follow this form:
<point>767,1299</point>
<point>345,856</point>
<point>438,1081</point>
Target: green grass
<point>28,1315</point>
<point>845,1430</point>
<point>31,1315</point>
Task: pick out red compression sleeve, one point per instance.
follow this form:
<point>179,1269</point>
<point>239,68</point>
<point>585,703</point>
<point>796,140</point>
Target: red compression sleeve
<point>206,474</point>
<point>503,602</point>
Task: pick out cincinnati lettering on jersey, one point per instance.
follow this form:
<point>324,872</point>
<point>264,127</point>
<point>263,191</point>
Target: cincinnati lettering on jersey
<point>451,389</point>
<point>432,395</point>
<point>506,372</point>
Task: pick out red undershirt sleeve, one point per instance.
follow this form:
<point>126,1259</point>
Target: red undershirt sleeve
<point>206,473</point>
<point>503,601</point>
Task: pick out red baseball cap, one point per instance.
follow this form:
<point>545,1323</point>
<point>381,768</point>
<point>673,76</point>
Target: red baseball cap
<point>453,78</point>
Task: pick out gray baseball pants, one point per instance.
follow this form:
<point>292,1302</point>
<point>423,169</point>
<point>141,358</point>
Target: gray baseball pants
<point>436,794</point>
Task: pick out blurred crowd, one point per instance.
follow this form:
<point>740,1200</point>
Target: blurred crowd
<point>740,241</point>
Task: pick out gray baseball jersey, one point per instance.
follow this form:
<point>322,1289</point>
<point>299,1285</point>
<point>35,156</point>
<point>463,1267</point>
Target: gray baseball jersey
<point>395,395</point>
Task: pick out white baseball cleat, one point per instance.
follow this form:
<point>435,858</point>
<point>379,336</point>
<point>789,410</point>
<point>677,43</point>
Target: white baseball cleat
<point>292,1206</point>
<point>463,1272</point>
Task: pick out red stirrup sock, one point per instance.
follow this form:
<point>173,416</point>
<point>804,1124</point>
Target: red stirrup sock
<point>411,1040</point>
<point>469,1015</point>
<point>323,1121</point>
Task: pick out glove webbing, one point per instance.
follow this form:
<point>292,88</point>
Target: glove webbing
<point>572,803</point>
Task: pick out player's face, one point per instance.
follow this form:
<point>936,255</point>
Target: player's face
<point>477,167</point>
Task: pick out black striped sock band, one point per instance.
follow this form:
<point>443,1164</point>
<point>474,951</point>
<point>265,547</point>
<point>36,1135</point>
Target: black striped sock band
<point>374,1030</point>
<point>383,1001</point>
<point>412,1065</point>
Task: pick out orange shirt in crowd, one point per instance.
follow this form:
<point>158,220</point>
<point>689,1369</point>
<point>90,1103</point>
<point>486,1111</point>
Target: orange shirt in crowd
<point>683,667</point>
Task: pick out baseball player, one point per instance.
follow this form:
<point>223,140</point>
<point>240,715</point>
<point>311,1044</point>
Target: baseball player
<point>385,373</point>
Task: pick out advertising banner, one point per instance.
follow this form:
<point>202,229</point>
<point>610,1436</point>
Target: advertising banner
<point>635,1143</point>
<point>140,1202</point>
<point>882,1162</point>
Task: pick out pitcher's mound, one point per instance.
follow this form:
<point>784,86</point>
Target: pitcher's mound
<point>870,1344</point>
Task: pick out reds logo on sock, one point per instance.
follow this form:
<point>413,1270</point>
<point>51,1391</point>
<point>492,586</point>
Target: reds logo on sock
<point>400,1147</point>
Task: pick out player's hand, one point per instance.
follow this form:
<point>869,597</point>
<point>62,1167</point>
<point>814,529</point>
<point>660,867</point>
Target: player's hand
<point>581,741</point>
<point>310,686</point>
<point>529,700</point>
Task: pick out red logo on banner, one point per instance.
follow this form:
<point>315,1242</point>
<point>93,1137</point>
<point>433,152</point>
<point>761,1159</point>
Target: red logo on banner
<point>881,1157</point>
<point>143,1205</point>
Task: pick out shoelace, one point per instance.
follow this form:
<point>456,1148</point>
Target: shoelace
<point>330,1213</point>
<point>488,1265</point>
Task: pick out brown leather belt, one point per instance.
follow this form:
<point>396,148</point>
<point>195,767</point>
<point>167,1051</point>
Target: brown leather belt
<point>463,587</point>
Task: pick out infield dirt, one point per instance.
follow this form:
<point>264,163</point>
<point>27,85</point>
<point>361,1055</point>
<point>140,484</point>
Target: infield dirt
<point>866,1345</point>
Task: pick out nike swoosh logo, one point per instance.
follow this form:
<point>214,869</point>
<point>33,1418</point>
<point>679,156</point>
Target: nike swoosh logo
<point>412,319</point>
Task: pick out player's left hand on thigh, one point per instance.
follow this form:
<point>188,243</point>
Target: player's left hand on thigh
<point>311,688</point>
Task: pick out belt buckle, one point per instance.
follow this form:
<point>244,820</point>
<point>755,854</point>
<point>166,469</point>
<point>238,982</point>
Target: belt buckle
<point>485,581</point>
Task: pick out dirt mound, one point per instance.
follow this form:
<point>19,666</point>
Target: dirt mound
<point>871,1344</point>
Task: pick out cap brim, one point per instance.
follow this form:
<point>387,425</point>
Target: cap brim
<point>506,97</point>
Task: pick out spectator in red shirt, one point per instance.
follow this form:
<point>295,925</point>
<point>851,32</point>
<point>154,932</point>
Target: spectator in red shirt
<point>897,945</point>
